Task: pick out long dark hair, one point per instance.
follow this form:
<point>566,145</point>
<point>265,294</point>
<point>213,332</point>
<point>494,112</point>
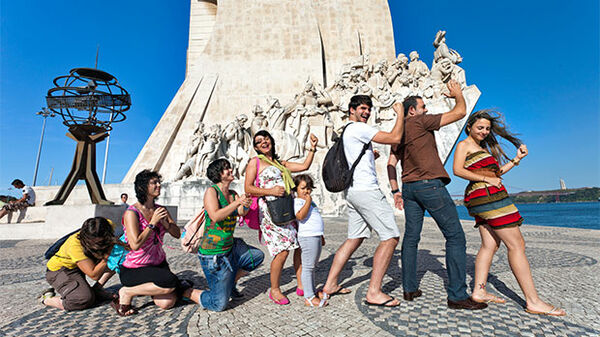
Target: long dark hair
<point>97,238</point>
<point>141,184</point>
<point>265,133</point>
<point>497,128</point>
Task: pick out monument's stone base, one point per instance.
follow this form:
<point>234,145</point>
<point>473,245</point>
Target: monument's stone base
<point>50,222</point>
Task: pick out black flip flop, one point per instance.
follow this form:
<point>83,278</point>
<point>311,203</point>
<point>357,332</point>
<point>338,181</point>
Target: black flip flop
<point>383,304</point>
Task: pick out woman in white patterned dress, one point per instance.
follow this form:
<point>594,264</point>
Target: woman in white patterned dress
<point>273,179</point>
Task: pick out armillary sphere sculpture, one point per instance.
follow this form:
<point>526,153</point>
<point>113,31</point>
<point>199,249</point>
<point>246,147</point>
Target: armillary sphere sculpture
<point>89,101</point>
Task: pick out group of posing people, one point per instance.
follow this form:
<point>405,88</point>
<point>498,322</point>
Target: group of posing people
<point>224,259</point>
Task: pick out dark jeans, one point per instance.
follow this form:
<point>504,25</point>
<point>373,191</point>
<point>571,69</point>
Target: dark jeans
<point>431,195</point>
<point>220,271</point>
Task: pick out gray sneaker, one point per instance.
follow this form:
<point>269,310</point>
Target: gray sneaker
<point>48,293</point>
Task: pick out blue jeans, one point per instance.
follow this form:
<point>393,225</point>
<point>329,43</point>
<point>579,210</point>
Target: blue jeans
<point>431,195</point>
<point>220,271</point>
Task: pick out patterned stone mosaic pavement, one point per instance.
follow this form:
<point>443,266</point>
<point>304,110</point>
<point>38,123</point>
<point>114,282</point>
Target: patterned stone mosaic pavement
<point>564,263</point>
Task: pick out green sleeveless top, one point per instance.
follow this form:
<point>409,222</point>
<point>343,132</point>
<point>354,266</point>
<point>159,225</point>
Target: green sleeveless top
<point>218,237</point>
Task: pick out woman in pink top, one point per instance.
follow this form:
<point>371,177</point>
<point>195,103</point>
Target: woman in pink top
<point>145,270</point>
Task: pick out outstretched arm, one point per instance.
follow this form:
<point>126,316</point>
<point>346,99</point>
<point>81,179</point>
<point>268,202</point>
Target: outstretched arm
<point>521,153</point>
<point>299,167</point>
<point>460,109</point>
<point>395,135</point>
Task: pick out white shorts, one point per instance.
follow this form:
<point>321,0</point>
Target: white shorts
<point>370,210</point>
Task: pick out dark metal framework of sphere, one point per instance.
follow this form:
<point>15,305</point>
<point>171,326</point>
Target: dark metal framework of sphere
<point>89,101</point>
<point>89,96</point>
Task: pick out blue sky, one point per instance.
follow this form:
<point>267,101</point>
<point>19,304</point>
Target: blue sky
<point>536,61</point>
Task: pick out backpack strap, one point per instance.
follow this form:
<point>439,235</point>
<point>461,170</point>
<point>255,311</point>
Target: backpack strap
<point>362,153</point>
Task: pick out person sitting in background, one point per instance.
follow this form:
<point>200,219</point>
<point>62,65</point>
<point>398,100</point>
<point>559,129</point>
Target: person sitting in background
<point>28,199</point>
<point>83,254</point>
<point>124,198</point>
<point>224,259</point>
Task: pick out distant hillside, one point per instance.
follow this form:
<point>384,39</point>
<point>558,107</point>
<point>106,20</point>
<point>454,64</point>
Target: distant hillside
<point>568,195</point>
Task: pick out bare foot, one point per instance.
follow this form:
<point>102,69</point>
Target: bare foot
<point>316,302</point>
<point>381,298</point>
<point>485,297</point>
<point>336,290</point>
<point>544,308</point>
<point>278,296</point>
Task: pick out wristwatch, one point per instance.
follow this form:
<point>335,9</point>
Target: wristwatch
<point>151,226</point>
<point>395,191</point>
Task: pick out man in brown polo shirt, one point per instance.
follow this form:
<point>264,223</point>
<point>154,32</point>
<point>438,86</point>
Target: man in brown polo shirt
<point>424,183</point>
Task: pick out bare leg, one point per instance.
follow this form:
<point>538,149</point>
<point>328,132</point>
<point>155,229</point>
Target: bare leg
<point>163,297</point>
<point>489,245</point>
<point>55,302</point>
<point>381,261</point>
<point>298,267</point>
<point>513,239</point>
<point>166,301</point>
<point>342,256</point>
<point>276,268</point>
<point>193,294</point>
<point>3,212</point>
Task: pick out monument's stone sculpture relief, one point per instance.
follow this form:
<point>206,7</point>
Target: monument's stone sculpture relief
<point>292,68</point>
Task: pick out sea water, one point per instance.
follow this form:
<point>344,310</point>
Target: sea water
<point>572,214</point>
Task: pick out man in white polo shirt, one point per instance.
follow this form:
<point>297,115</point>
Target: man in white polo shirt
<point>368,208</point>
<point>28,198</point>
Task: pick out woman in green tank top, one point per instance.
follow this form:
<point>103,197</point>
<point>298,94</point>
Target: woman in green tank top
<point>223,258</point>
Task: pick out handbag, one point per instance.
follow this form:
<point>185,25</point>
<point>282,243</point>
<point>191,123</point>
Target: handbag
<point>281,209</point>
<point>193,233</point>
<point>117,256</point>
<point>251,218</point>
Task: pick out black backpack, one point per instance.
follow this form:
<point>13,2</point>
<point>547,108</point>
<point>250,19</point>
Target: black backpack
<point>337,176</point>
<point>56,246</point>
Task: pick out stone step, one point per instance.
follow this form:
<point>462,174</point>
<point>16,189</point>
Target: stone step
<point>51,222</point>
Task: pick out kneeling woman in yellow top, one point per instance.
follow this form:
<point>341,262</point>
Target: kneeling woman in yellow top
<point>83,253</point>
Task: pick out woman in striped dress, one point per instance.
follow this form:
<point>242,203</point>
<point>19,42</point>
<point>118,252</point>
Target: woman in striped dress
<point>481,160</point>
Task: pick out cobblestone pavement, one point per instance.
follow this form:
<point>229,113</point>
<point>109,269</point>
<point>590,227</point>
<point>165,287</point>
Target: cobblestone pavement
<point>564,264</point>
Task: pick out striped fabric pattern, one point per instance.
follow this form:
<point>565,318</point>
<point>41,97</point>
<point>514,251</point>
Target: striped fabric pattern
<point>489,204</point>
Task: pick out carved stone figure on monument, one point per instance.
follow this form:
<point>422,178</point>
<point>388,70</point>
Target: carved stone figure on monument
<point>297,125</point>
<point>286,144</point>
<point>313,98</point>
<point>418,70</point>
<point>237,143</point>
<point>441,73</point>
<point>209,151</point>
<point>379,79</point>
<point>442,52</point>
<point>188,167</point>
<point>259,121</point>
<point>399,76</point>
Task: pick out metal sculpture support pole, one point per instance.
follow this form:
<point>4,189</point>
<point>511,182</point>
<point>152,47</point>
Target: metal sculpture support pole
<point>105,158</point>
<point>37,160</point>
<point>106,152</point>
<point>83,168</point>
